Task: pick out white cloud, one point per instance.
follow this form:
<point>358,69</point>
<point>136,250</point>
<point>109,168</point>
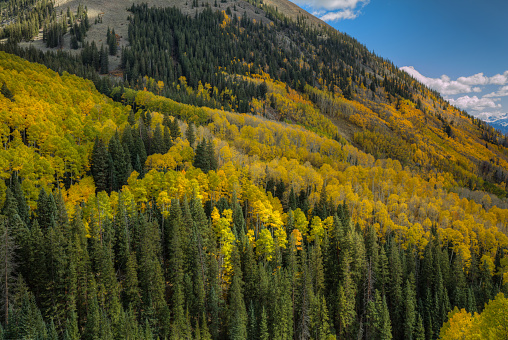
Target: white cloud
<point>502,92</point>
<point>475,103</point>
<point>332,5</point>
<point>443,85</point>
<point>493,116</point>
<point>333,10</point>
<point>340,15</point>
<point>446,86</point>
<point>477,79</point>
<point>499,79</point>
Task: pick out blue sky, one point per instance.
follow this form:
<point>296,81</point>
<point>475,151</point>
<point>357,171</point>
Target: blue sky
<point>457,47</point>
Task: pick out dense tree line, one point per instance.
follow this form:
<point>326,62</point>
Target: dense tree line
<point>146,274</point>
<point>201,60</point>
<point>146,230</point>
<point>165,44</point>
<point>22,18</point>
<point>87,64</point>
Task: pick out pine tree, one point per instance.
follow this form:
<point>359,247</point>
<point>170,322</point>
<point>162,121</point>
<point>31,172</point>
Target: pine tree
<point>157,141</point>
<point>200,157</point>
<point>176,270</point>
<point>130,285</point>
<point>205,333</point>
<point>346,296</point>
<point>409,309</point>
<point>93,327</point>
<point>190,134</point>
<point>151,279</point>
<point>22,206</point>
<point>7,265</point>
<point>99,165</point>
<point>30,324</point>
<point>212,156</point>
<point>104,60</point>
<point>252,324</point>
<point>237,314</point>
<point>71,329</point>
<point>174,129</point>
<point>419,331</point>
<point>385,327</point>
<point>263,326</point>
<point>395,293</point>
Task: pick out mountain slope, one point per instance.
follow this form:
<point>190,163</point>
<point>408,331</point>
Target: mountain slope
<point>240,178</point>
<point>282,201</point>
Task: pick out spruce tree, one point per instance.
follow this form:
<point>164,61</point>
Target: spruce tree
<point>174,129</point>
<point>22,206</point>
<point>99,165</point>
<point>409,310</point>
<point>200,157</point>
<point>237,314</point>
<point>190,134</point>
<point>212,156</point>
<point>384,327</point>
<point>158,141</point>
<point>263,326</point>
<point>104,60</point>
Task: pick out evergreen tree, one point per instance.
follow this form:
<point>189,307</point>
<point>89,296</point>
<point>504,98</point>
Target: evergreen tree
<point>237,314</point>
<point>7,265</point>
<point>23,209</point>
<point>384,327</point>
<point>99,165</point>
<point>252,326</point>
<point>119,168</point>
<point>104,60</point>
<point>200,157</point>
<point>263,326</point>
<point>158,141</point>
<point>409,310</point>
<point>6,92</point>
<point>190,134</point>
<point>419,331</point>
<point>174,129</point>
<point>211,155</point>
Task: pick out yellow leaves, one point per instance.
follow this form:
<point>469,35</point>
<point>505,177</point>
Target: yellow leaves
<point>79,193</point>
<point>301,222</point>
<point>490,324</point>
<point>160,162</point>
<point>264,245</point>
<point>488,264</point>
<point>137,188</point>
<point>296,236</point>
<point>226,21</point>
<point>160,86</point>
<point>458,326</point>
<point>164,202</point>
<point>222,227</point>
<point>270,217</point>
<point>317,231</point>
<point>58,117</point>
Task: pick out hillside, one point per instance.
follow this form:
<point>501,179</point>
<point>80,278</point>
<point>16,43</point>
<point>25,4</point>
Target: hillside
<point>239,178</point>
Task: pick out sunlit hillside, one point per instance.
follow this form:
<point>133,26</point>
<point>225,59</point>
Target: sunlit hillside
<point>241,179</point>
